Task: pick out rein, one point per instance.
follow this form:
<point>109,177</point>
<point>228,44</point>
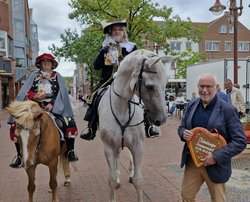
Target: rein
<point>126,125</point>
<point>35,125</point>
<point>129,102</point>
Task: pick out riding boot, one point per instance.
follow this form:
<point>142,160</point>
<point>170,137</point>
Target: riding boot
<point>91,117</point>
<point>150,131</point>
<point>90,133</point>
<point>70,149</point>
<point>18,161</point>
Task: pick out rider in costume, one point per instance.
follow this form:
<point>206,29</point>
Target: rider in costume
<point>48,88</point>
<point>114,48</point>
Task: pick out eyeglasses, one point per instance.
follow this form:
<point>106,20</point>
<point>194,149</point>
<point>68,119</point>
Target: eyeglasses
<point>208,87</point>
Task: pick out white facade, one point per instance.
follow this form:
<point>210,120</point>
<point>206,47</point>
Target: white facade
<point>181,44</point>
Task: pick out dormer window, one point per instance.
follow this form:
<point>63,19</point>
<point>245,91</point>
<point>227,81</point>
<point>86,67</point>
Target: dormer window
<point>223,29</point>
<point>231,29</point>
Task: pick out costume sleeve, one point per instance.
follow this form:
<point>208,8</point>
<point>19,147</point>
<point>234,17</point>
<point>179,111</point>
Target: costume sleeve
<point>99,60</point>
<point>31,94</point>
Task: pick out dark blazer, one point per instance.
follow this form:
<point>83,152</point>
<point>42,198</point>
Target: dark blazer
<point>224,118</point>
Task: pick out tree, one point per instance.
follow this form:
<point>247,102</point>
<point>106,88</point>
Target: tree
<point>187,58</point>
<point>142,27</point>
<point>80,49</point>
<point>140,15</point>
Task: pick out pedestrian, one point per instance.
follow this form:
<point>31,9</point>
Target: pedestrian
<point>221,94</point>
<point>48,88</point>
<point>210,112</point>
<point>235,97</point>
<point>71,99</point>
<point>193,96</point>
<point>114,48</point>
<point>179,101</point>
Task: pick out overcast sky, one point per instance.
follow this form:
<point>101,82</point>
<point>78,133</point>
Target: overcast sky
<point>52,19</point>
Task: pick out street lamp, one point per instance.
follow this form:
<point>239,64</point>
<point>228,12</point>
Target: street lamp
<point>218,8</point>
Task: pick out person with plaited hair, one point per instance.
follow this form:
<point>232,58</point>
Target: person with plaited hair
<point>48,88</point>
<point>114,48</point>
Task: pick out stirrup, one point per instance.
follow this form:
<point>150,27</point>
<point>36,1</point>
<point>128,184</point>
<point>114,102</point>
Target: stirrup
<point>14,163</point>
<point>150,131</point>
<point>89,135</point>
<point>69,157</point>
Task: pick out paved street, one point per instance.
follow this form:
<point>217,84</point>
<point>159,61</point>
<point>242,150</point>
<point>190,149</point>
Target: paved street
<point>161,172</point>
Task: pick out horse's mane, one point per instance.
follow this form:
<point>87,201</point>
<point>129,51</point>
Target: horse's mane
<point>24,112</point>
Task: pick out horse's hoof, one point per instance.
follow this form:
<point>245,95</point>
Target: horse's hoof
<point>118,185</point>
<point>50,190</point>
<point>66,183</point>
<point>131,180</point>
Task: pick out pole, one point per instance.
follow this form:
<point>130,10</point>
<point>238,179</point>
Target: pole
<point>235,15</point>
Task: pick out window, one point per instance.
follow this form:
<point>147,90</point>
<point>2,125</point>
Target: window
<point>18,6</point>
<point>188,44</point>
<point>20,57</point>
<point>3,43</point>
<point>231,29</point>
<point>175,45</point>
<point>228,46</point>
<point>243,46</point>
<point>212,45</point>
<point>19,30</point>
<point>223,29</point>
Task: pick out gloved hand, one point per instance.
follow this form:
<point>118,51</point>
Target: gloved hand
<point>108,42</point>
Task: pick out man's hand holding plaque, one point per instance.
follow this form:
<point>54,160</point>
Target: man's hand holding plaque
<point>204,143</point>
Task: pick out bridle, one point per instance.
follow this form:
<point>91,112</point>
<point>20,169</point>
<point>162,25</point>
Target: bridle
<point>36,124</point>
<point>22,126</point>
<point>131,114</point>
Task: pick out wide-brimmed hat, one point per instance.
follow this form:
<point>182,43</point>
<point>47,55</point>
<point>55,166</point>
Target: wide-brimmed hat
<point>47,56</point>
<point>106,25</point>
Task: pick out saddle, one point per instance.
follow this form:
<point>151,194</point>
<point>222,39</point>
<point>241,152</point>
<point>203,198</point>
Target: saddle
<point>93,105</point>
<point>60,122</point>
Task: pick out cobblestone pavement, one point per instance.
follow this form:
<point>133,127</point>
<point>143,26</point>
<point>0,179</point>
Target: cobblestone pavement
<point>160,168</point>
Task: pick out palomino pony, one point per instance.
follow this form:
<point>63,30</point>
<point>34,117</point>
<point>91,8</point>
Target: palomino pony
<point>39,138</point>
<point>138,86</point>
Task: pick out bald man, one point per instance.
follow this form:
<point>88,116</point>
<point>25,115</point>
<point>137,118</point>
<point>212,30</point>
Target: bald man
<point>210,112</point>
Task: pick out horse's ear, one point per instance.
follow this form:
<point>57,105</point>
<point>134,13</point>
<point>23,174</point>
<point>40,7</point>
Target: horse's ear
<point>38,115</point>
<point>165,59</point>
<point>37,111</point>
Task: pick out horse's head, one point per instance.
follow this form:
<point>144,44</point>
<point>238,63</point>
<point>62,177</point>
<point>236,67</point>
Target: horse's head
<point>149,80</point>
<point>27,115</point>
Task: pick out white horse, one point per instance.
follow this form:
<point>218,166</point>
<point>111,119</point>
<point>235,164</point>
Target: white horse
<point>139,85</point>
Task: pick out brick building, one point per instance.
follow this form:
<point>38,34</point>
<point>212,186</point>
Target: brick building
<point>18,47</point>
<point>217,42</point>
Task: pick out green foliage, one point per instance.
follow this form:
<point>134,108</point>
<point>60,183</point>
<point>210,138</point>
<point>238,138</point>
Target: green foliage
<point>80,49</point>
<point>187,58</point>
<point>140,15</point>
<point>68,81</point>
<point>142,28</point>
